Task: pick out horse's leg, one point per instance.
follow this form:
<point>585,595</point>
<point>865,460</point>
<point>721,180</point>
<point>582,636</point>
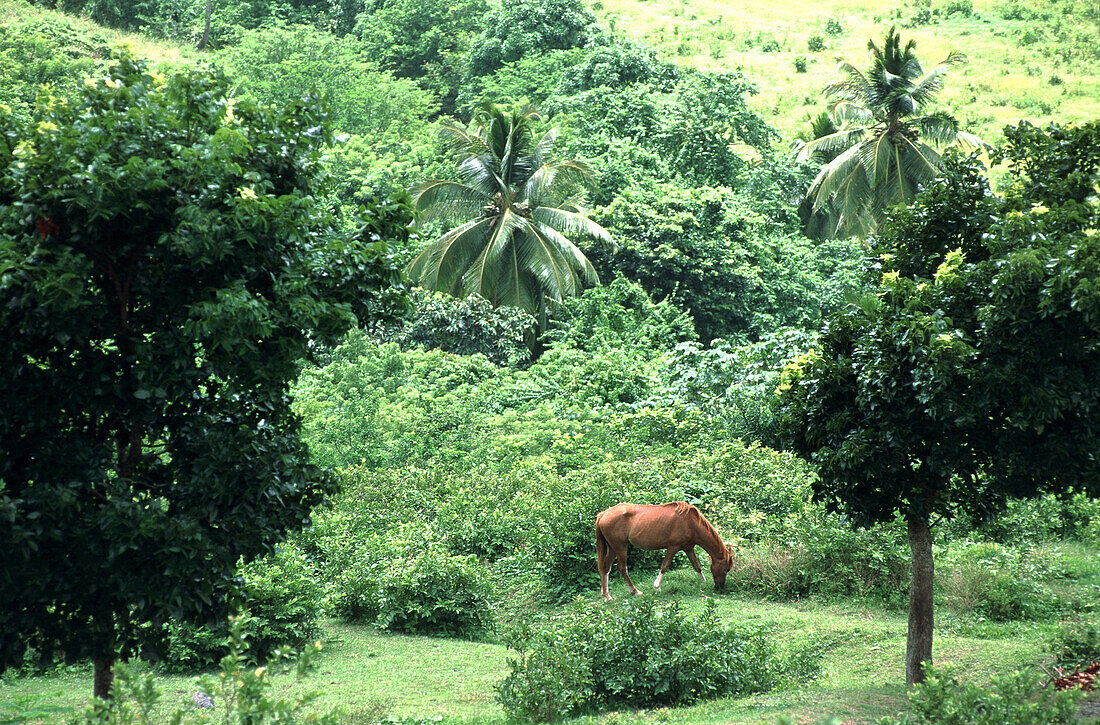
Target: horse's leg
<point>621,555</point>
<point>664,566</point>
<point>695,563</point>
<point>603,563</point>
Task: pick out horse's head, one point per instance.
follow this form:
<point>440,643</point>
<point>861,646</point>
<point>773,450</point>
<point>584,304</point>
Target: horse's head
<point>720,567</point>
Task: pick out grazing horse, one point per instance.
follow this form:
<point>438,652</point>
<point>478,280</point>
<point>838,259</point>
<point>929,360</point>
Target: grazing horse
<point>673,526</point>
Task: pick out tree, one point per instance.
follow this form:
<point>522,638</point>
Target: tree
<point>520,206</point>
<point>280,65</point>
<point>423,39</point>
<point>969,376</point>
<point>884,148</point>
<point>164,269</point>
<point>530,26</point>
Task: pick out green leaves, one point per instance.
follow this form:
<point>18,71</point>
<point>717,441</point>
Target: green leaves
<point>969,378</point>
<point>164,269</point>
<point>890,148</point>
<point>516,252</point>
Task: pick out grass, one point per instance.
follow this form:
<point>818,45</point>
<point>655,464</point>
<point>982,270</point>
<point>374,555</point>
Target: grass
<point>371,676</point>
<point>1003,82</point>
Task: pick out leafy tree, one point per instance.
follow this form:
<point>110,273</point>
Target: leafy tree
<point>702,119</point>
<point>969,376</point>
<point>519,206</point>
<point>710,253</point>
<point>468,326</point>
<point>530,26</point>
<point>163,270</point>
<point>694,124</point>
<point>884,148</point>
<point>426,40</point>
<point>281,64</point>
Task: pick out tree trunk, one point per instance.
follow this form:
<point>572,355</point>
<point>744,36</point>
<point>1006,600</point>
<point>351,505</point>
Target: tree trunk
<point>918,648</point>
<point>206,29</point>
<point>104,678</point>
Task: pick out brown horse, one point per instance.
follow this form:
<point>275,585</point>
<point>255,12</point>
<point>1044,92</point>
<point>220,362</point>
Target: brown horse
<point>673,526</point>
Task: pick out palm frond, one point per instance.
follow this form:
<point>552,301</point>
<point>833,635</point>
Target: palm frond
<point>554,181</point>
<point>913,164</point>
<point>477,277</point>
<point>480,173</point>
<point>971,142</point>
<point>439,266</point>
<point>849,112</point>
<point>441,199</point>
<point>559,264</point>
<point>570,223</point>
<point>458,140</point>
<point>932,82</point>
<point>855,86</point>
<point>940,129</point>
<point>832,143</point>
<point>544,261</point>
<point>834,175</point>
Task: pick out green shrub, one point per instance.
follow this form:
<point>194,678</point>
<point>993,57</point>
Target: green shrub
<point>281,607</point>
<point>994,581</point>
<point>1076,642</point>
<point>636,654</point>
<point>815,43</point>
<point>407,583</point>
<point>943,700</point>
<point>563,541</point>
<point>241,694</point>
<point>822,555</point>
<point>834,27</point>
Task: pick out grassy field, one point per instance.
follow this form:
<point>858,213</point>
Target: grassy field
<point>371,676</point>
<point>1011,75</point>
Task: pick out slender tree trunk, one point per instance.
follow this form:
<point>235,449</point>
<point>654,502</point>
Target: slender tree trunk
<point>919,643</point>
<point>206,30</point>
<point>104,677</point>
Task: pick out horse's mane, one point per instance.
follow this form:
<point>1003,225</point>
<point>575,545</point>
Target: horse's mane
<point>707,526</point>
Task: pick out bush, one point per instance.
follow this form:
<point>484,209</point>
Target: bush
<point>464,327</point>
<point>281,607</point>
<point>563,541</point>
<point>1076,642</point>
<point>242,694</point>
<point>993,581</point>
<point>412,584</point>
<point>823,555</point>
<point>636,654</point>
<point>943,700</point>
<point>815,43</point>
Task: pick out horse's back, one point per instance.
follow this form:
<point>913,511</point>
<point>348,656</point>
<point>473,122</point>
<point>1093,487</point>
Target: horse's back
<point>648,526</point>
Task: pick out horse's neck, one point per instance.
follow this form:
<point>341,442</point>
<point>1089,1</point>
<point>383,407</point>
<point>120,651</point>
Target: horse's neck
<point>710,540</point>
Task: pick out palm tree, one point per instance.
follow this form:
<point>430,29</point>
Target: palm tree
<point>881,148</point>
<point>516,207</point>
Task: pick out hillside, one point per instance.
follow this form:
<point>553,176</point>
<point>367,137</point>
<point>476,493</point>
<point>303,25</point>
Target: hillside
<point>1036,64</point>
<point>1025,61</point>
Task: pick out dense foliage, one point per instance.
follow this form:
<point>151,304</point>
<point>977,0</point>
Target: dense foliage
<point>641,655</point>
<point>164,270</point>
<point>967,378</point>
<point>470,468</point>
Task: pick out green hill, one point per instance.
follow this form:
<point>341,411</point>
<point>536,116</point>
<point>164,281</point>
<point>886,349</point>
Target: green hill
<point>1034,61</point>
